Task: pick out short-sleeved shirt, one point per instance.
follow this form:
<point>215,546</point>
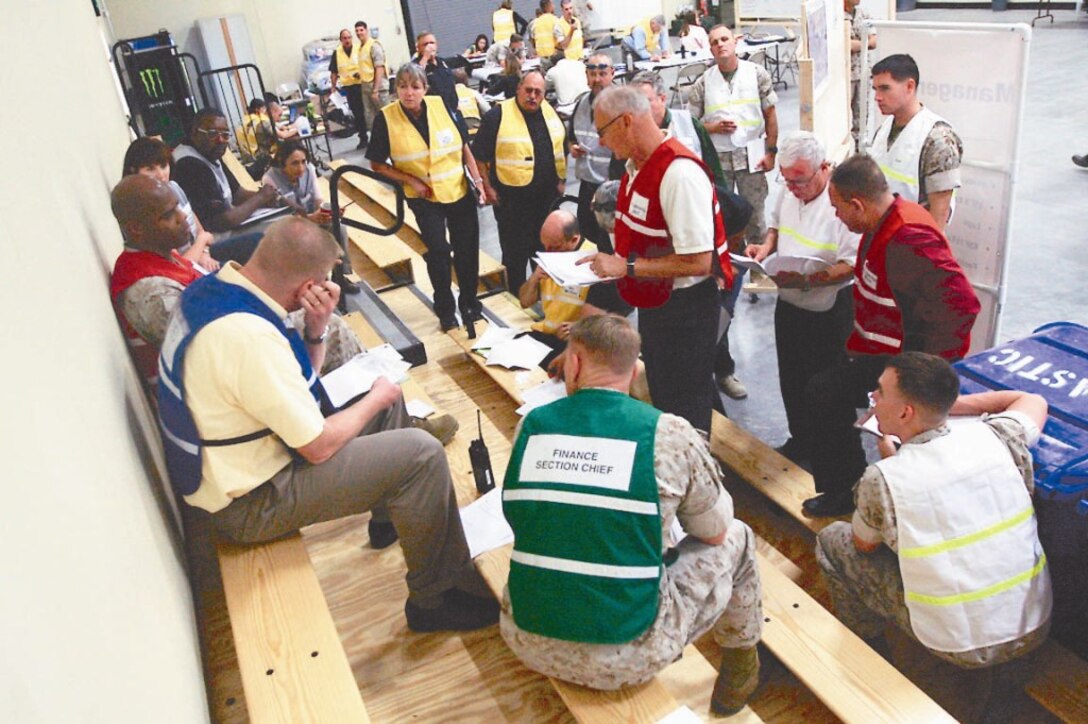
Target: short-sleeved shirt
<point>303,192</point>
<point>738,158</point>
<point>378,148</point>
<point>874,520</point>
<point>241,376</point>
<point>204,192</point>
<point>483,148</point>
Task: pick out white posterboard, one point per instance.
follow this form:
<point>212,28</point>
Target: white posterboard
<point>879,9</point>
<point>975,76</point>
<point>750,10</point>
<point>816,29</point>
<point>622,14</point>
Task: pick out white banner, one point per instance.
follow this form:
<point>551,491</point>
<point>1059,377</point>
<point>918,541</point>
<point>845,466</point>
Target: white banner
<point>974,75</point>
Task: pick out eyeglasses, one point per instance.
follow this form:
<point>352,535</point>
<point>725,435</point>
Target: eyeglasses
<point>796,184</point>
<point>598,66</point>
<point>602,129</point>
<point>221,135</point>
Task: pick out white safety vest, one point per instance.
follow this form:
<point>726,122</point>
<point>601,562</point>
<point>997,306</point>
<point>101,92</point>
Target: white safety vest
<point>682,128</point>
<point>812,229</point>
<point>739,104</point>
<point>186,151</point>
<point>593,166</point>
<point>974,572</point>
<point>901,162</point>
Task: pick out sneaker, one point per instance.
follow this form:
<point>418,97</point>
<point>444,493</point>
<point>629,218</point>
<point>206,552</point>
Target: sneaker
<point>732,387</point>
<point>382,534</point>
<point>459,611</point>
<point>440,427</point>
<point>829,505</point>
<point>737,681</point>
<point>793,450</point>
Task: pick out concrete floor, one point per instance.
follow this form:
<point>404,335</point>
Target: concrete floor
<point>1048,246</point>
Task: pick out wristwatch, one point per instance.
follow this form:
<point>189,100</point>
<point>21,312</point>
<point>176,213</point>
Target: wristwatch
<point>631,264</point>
<point>316,340</point>
<point>772,149</point>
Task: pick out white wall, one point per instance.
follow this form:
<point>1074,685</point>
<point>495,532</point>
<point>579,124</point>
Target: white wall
<point>277,28</point>
<point>96,616</point>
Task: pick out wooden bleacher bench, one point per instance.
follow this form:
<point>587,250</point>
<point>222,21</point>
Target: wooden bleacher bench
<point>513,382</point>
<point>235,168</point>
<point>1059,681</point>
<point>363,188</point>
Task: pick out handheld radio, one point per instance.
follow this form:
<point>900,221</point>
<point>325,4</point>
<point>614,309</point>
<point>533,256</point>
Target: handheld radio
<point>481,461</point>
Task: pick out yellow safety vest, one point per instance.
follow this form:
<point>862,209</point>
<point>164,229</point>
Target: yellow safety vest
<point>514,146</point>
<point>559,304</point>
<point>246,134</point>
<point>466,102</point>
<point>347,66</point>
<point>544,35</point>
<point>502,25</point>
<point>651,36</point>
<point>575,46</point>
<point>366,63</point>
<point>440,164</point>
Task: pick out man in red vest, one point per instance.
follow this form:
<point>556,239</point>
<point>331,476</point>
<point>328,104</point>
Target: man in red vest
<point>668,229</point>
<point>910,294</point>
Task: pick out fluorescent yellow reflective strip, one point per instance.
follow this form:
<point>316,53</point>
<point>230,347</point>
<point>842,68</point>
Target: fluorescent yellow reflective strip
<point>811,243</point>
<point>889,171</point>
<point>951,545</point>
<point>729,104</point>
<point>980,594</point>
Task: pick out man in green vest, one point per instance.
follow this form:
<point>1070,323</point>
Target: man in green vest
<point>658,559</point>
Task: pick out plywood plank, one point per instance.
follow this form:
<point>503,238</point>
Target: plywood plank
<point>388,253</point>
<point>235,168</point>
<point>293,665</point>
<point>1059,682</point>
<point>513,382</point>
<point>851,679</point>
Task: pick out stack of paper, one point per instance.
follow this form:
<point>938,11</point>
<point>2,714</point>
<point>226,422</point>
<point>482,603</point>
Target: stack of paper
<point>485,526</point>
<point>524,352</point>
<point>494,335</point>
<point>542,394</point>
<point>776,264</point>
<point>356,376</point>
<point>562,267</point>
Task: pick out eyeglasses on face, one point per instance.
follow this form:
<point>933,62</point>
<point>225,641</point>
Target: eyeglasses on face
<point>212,133</point>
<point>602,129</point>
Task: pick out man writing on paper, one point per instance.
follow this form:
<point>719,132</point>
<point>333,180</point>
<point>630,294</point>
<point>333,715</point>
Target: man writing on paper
<point>815,311</point>
<point>944,542</point>
<point>615,604</point>
<point>735,100</point>
<point>246,439</point>
<point>910,294</point>
<point>917,150</point>
<point>668,229</point>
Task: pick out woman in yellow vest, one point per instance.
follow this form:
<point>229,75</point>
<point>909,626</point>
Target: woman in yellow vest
<point>417,143</point>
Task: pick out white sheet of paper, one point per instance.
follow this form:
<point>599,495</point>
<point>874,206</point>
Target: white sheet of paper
<point>357,375</point>
<point>745,262</point>
<point>800,264</point>
<point>562,267</point>
<point>494,335</point>
<point>485,526</point>
<point>542,394</point>
<point>524,352</point>
<point>682,715</point>
<point>757,149</point>
<point>265,213</point>
<point>418,408</point>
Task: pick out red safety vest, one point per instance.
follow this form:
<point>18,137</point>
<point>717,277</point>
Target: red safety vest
<point>878,320</point>
<point>644,232</point>
<point>132,266</point>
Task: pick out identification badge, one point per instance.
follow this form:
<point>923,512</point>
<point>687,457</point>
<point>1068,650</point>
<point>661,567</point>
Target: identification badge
<point>594,462</point>
<point>444,137</point>
<point>639,206</point>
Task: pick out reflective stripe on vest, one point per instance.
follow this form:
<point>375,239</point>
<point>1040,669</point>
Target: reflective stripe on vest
<point>347,67</point>
<point>544,35</point>
<point>502,25</point>
<point>974,573</point>
<point>740,104</point>
<point>438,164</point>
<point>805,241</point>
<point>901,162</point>
<point>514,160</point>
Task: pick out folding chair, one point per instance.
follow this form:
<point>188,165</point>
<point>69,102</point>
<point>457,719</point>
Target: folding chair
<point>684,80</point>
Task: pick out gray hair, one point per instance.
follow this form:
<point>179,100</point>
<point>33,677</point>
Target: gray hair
<point>618,99</point>
<point>659,19</point>
<point>650,78</point>
<point>411,72</point>
<point>604,205</point>
<point>801,146</point>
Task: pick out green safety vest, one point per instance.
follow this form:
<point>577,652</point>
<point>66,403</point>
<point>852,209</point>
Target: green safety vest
<point>581,496</point>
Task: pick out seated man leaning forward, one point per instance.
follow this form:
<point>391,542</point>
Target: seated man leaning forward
<point>150,275</point>
<point>943,542</point>
<point>246,438</point>
<point>614,605</point>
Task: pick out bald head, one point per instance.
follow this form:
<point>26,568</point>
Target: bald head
<point>294,250</point>
<point>147,211</point>
<point>560,231</point>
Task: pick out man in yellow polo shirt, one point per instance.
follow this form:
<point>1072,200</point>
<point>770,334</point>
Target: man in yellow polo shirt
<point>246,439</point>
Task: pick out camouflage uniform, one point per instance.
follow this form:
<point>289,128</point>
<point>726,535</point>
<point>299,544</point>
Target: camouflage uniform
<point>939,164</point>
<point>370,106</point>
<point>867,588</point>
<point>857,20</point>
<point>706,587</point>
<point>752,186</point>
<point>148,304</point>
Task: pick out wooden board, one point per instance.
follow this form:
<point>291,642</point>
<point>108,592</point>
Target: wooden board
<point>293,665</point>
<point>775,476</point>
<point>513,382</point>
<point>1059,682</point>
<point>235,168</point>
<point>851,679</point>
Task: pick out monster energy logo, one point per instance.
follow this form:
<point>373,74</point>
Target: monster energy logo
<point>152,80</point>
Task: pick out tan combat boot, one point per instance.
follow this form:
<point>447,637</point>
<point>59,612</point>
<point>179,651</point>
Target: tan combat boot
<point>738,678</point>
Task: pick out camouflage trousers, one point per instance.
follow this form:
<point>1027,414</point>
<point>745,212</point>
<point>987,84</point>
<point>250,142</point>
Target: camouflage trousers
<point>751,186</point>
<point>707,587</point>
<point>867,592</point>
<point>371,107</point>
<point>340,345</point>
